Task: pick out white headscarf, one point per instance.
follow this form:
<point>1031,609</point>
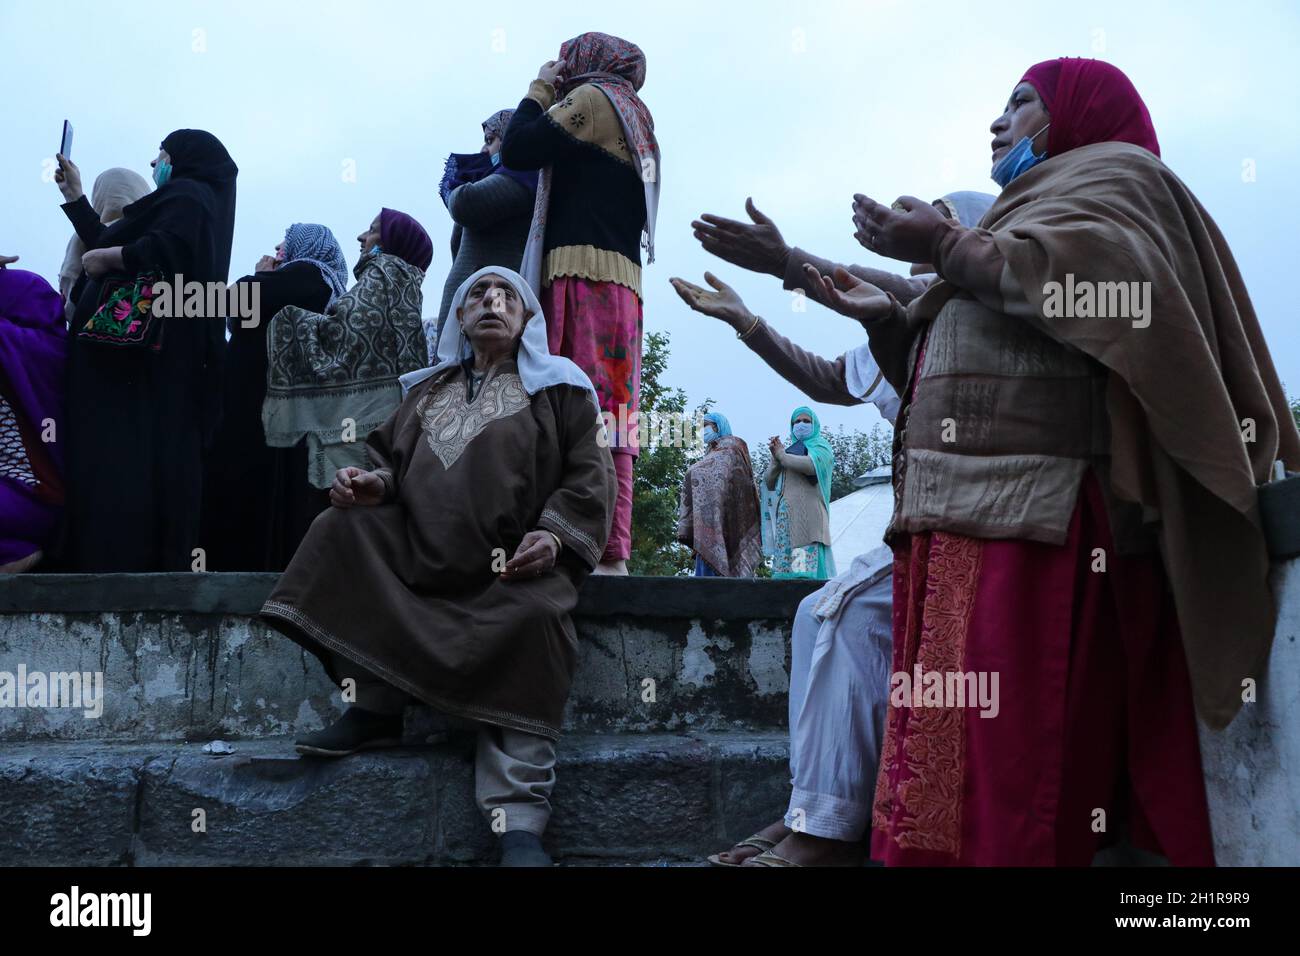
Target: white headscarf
<point>114,190</point>
<point>538,368</point>
<point>967,207</point>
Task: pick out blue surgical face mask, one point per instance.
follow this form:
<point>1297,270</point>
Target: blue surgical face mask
<point>802,430</point>
<point>709,434</point>
<point>162,171</point>
<point>1018,159</point>
<point>496,159</point>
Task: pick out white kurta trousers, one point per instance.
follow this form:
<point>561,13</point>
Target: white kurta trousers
<point>839,690</point>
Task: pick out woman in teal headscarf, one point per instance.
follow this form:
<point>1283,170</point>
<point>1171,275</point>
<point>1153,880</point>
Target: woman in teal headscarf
<point>796,501</point>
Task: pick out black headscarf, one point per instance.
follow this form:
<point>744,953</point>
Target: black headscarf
<point>198,155</point>
<point>186,226</point>
<point>202,173</point>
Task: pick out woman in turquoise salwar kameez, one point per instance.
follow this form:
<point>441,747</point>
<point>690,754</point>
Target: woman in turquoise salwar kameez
<point>796,501</point>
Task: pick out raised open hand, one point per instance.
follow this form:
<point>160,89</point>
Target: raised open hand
<point>850,296</point>
<point>757,246</point>
<point>909,230</point>
<point>721,303</point>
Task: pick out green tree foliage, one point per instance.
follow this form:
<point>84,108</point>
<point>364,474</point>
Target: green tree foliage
<point>660,468</point>
<point>664,459</point>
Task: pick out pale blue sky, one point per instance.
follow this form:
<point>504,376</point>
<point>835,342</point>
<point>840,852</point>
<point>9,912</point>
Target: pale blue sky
<point>797,104</point>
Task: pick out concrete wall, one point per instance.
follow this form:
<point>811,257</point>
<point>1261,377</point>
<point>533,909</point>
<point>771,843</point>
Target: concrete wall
<point>646,781</point>
<point>182,659</point>
<point>1252,769</point>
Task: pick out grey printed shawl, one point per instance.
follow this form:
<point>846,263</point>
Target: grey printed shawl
<point>332,377</point>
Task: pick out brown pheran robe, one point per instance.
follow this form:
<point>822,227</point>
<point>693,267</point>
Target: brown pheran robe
<point>410,589</point>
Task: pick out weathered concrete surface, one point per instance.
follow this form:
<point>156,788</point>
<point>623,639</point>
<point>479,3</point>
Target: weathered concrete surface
<point>626,798</point>
<point>68,808</point>
<point>243,594</point>
<point>183,660</point>
<point>654,656</point>
<point>1252,769</point>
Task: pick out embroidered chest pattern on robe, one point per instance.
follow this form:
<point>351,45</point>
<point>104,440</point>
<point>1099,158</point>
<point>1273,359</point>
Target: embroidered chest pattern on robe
<point>450,423</point>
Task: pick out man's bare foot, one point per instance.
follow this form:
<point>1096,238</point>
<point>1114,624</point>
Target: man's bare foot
<point>737,855</point>
<point>808,850</point>
<point>611,567</point>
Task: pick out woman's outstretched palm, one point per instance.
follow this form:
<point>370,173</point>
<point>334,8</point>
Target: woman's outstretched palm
<point>721,303</point>
<point>850,296</point>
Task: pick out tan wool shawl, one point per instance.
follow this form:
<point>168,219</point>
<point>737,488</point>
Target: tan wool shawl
<point>1182,391</point>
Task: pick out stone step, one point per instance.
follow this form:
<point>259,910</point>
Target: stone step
<point>183,658</point>
<point>660,799</point>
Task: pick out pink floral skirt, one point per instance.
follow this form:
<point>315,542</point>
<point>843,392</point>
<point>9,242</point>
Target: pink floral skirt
<point>598,326</point>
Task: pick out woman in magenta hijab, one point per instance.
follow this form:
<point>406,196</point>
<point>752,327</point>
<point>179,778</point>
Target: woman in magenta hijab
<point>33,349</point>
<point>400,235</point>
<point>1071,483</point>
<point>1089,101</point>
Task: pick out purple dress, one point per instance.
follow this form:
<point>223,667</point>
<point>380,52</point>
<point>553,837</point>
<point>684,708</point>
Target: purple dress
<point>33,348</point>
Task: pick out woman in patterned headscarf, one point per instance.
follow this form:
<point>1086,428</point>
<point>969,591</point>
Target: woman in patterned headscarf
<point>491,207</point>
<point>257,501</point>
<point>332,375</point>
<point>718,517</point>
<point>586,128</point>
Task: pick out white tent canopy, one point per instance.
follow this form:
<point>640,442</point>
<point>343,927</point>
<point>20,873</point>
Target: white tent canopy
<point>858,520</point>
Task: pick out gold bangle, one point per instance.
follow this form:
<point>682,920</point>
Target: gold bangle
<point>749,331</point>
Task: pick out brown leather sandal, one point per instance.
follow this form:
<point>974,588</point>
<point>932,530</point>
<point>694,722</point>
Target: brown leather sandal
<point>768,858</point>
<point>760,843</point>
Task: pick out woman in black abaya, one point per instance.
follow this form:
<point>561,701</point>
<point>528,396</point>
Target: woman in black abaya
<point>258,503</point>
<point>139,419</point>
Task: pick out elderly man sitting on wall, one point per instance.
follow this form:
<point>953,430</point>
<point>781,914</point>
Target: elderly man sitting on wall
<point>447,572</point>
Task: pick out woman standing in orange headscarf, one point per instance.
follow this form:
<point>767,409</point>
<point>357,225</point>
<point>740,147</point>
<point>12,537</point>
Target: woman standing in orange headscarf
<point>586,128</point>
